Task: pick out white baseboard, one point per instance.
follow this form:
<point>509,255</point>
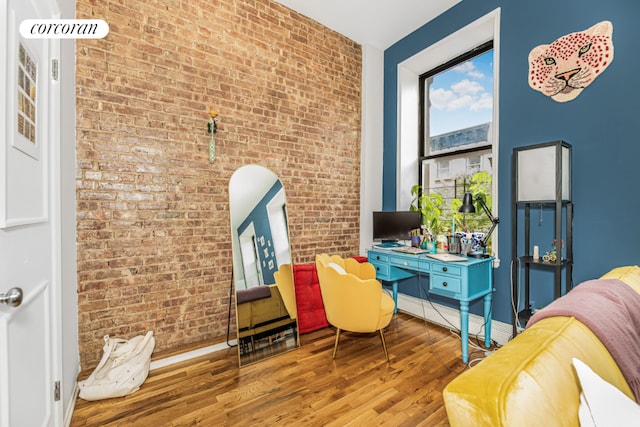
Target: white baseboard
<point>450,318</point>
<point>68,413</point>
<point>182,357</point>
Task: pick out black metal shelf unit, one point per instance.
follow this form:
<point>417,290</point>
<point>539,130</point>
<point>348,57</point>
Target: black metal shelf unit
<point>555,156</point>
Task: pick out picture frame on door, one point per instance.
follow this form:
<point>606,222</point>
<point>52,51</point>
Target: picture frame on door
<point>25,136</point>
<point>23,167</point>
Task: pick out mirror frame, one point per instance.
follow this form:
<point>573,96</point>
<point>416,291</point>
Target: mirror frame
<point>266,318</point>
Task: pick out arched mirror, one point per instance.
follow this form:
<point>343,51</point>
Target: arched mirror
<point>266,315</point>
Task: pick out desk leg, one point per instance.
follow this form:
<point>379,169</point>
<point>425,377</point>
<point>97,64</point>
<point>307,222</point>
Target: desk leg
<point>487,320</point>
<point>394,286</point>
<point>464,329</point>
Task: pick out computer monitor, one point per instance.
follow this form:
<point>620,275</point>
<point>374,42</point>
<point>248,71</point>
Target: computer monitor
<point>390,226</point>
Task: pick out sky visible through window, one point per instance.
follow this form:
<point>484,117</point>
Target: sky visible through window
<point>462,97</point>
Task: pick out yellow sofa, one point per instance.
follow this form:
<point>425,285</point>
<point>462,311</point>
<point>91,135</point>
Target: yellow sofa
<point>531,381</point>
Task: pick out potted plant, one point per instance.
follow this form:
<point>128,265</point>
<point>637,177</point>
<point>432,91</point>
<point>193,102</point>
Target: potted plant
<point>436,215</point>
<point>430,207</point>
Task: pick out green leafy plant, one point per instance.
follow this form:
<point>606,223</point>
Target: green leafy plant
<point>478,185</point>
<point>430,206</point>
<point>436,215</point>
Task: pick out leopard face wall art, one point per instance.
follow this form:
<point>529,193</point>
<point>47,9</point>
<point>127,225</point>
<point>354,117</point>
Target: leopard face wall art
<point>565,67</point>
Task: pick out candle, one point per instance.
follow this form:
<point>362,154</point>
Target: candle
<point>536,253</point>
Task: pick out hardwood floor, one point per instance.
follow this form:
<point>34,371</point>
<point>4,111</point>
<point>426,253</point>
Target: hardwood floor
<point>303,387</point>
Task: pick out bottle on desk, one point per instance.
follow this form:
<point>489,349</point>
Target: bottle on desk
<point>454,245</point>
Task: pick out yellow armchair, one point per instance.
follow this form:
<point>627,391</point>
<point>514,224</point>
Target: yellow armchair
<point>364,270</point>
<point>353,298</point>
<point>284,282</point>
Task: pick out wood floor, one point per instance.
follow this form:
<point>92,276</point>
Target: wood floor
<point>304,387</point>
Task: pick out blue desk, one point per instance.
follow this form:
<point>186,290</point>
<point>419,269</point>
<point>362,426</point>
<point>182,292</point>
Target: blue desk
<point>462,281</point>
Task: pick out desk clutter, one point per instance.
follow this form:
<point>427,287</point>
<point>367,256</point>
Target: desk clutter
<point>410,250</point>
<point>452,242</point>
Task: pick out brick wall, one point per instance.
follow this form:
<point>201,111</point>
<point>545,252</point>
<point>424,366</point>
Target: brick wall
<point>153,217</point>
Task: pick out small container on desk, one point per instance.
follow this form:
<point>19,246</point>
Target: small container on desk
<point>454,245</point>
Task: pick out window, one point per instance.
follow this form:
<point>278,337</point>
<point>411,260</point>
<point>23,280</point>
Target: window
<point>456,113</point>
<point>473,164</point>
<point>443,169</point>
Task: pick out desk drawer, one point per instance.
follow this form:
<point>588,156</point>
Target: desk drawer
<point>447,284</point>
<point>404,262</point>
<point>378,257</point>
<point>449,269</point>
<point>382,270</point>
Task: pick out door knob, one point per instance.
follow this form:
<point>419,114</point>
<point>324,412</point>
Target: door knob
<point>13,297</point>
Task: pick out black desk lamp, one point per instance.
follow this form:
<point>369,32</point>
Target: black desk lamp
<point>468,207</point>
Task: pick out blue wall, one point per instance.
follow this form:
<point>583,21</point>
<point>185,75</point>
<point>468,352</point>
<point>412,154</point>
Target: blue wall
<point>602,124</point>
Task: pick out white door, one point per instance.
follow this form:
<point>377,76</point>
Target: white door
<point>29,222</point>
